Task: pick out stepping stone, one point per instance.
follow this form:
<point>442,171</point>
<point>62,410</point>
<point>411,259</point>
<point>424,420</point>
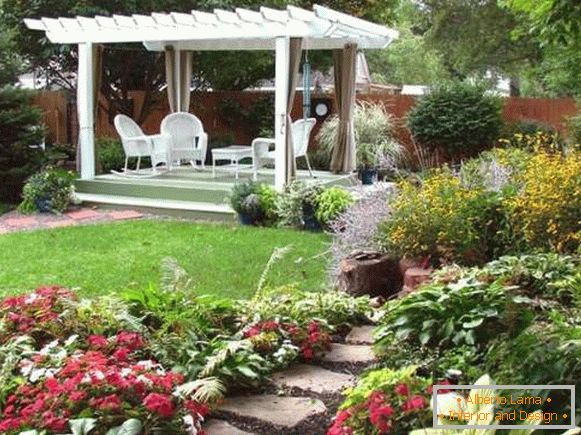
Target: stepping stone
<point>60,224</point>
<point>83,213</point>
<point>21,222</point>
<point>125,214</point>
<point>349,353</point>
<point>360,335</point>
<point>313,378</point>
<point>221,427</point>
<point>284,412</point>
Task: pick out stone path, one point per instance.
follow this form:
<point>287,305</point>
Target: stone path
<point>15,221</point>
<point>308,394</point>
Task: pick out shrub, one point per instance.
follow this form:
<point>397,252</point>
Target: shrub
<point>297,198</point>
<point>459,118</point>
<point>267,196</point>
<point>540,141</point>
<point>385,401</point>
<point>545,214</point>
<point>436,219</point>
<point>20,127</point>
<point>331,203</point>
<point>110,154</point>
<point>49,190</point>
<point>443,316</point>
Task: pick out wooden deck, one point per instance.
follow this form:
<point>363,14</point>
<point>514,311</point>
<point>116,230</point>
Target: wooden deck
<point>183,190</point>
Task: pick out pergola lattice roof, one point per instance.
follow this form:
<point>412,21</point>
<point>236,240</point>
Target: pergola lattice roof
<point>242,29</point>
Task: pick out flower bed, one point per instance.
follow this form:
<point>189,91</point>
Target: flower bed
<point>153,362</point>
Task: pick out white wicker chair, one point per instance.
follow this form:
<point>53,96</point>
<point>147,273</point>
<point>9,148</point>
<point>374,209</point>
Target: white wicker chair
<point>188,139</point>
<point>301,133</point>
<point>138,144</point>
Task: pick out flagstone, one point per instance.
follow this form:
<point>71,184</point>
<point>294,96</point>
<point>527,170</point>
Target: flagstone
<point>349,353</point>
<point>360,335</point>
<point>221,427</point>
<point>313,378</point>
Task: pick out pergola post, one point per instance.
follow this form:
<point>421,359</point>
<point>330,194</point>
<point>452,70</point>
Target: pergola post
<point>281,85</point>
<point>85,103</point>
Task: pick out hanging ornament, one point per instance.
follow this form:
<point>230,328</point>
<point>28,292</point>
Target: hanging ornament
<point>306,86</point>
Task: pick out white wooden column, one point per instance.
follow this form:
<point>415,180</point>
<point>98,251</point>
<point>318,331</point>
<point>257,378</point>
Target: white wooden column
<point>85,104</point>
<point>177,68</point>
<point>281,84</point>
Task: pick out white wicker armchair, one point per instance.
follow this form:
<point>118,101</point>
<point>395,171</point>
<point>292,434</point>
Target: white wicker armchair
<point>189,141</point>
<point>301,133</point>
<point>138,144</point>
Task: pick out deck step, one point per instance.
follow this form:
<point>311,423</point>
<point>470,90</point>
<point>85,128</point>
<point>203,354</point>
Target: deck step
<point>187,209</point>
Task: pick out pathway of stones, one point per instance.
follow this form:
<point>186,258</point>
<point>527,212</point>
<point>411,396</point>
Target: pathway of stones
<point>303,398</point>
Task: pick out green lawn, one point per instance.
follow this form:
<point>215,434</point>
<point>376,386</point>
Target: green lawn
<point>97,259</point>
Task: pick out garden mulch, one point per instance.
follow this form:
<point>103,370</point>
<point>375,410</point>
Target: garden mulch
<point>14,221</point>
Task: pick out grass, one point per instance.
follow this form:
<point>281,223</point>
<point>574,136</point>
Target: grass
<point>97,259</point>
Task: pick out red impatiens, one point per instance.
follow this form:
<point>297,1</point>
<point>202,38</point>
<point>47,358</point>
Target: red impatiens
<point>65,376</point>
<point>393,407</point>
<point>309,340</point>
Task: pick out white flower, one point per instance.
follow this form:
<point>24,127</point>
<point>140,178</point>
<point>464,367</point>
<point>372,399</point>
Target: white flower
<point>31,298</point>
<point>71,340</point>
<point>48,347</point>
<point>36,374</point>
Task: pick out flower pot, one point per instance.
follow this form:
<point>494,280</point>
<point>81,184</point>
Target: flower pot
<point>310,221</point>
<point>368,175</point>
<point>245,219</point>
<point>43,205</point>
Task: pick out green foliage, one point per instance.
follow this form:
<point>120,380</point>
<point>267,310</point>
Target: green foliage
<point>444,316</point>
<point>110,154</point>
<point>20,127</point>
<point>458,118</point>
<point>258,200</point>
<point>10,63</point>
<point>331,203</point>
<point>49,190</point>
<point>574,129</point>
<point>333,308</point>
<point>291,203</point>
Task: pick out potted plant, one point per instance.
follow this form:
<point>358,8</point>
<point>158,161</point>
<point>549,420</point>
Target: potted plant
<point>367,159</point>
<point>48,191</point>
<point>245,201</point>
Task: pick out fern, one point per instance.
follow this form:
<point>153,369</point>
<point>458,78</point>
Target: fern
<point>277,255</point>
<point>217,360</point>
<point>174,277</point>
<point>203,390</point>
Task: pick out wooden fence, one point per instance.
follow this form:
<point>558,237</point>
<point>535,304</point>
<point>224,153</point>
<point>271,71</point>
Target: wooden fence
<point>59,113</point>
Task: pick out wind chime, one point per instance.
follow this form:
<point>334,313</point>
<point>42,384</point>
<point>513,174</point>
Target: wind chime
<point>306,86</point>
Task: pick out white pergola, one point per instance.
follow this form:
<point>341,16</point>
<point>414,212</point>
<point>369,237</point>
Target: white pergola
<point>241,29</point>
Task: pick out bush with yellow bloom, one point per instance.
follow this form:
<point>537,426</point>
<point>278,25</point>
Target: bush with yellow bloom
<point>546,212</point>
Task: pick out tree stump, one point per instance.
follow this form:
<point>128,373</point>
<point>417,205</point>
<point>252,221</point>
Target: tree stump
<point>370,273</point>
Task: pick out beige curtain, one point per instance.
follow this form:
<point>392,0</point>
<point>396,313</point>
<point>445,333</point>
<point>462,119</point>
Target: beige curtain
<point>177,90</point>
<point>186,80</point>
<point>295,53</point>
<point>170,78</point>
<point>343,159</point>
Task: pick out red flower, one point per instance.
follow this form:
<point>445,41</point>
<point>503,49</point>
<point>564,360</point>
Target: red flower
<point>380,418</point>
<point>308,353</point>
<point>197,408</point>
<point>97,341</point>
<point>415,402</point>
<point>131,340</point>
<point>375,400</point>
<point>77,396</point>
<point>340,430</point>
<point>121,354</point>
<point>402,389</point>
<point>429,390</point>
<point>342,417</point>
<point>160,404</point>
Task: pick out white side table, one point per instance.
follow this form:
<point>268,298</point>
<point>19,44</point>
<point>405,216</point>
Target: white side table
<point>233,153</point>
